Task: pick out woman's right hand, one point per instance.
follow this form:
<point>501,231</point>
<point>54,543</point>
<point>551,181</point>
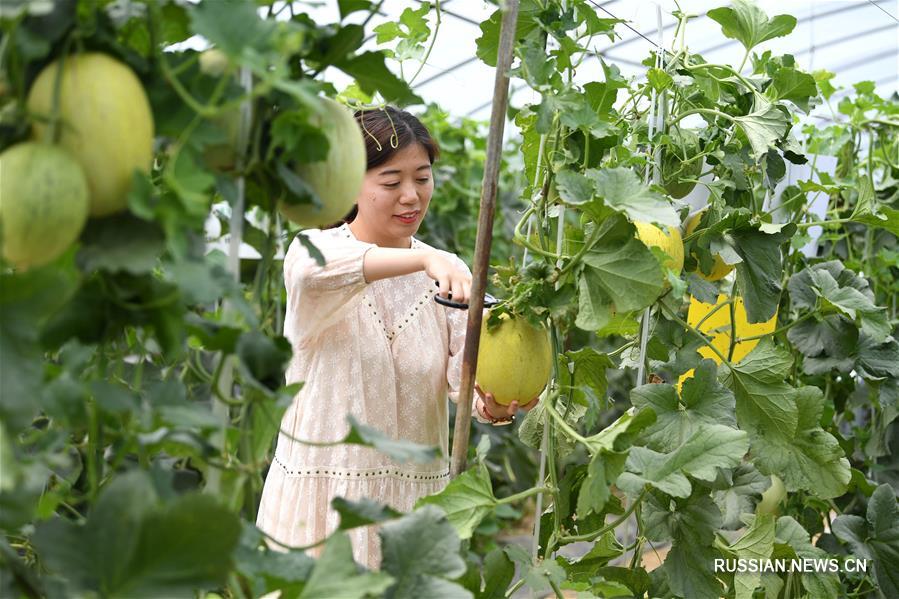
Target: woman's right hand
<point>454,282</point>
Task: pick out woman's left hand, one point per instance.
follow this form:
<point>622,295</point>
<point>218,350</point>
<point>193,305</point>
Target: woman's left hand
<point>500,411</point>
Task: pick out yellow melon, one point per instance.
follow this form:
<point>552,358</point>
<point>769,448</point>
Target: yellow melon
<point>514,360</point>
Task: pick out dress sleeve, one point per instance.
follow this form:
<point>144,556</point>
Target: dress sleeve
<point>318,294</point>
<point>456,322</point>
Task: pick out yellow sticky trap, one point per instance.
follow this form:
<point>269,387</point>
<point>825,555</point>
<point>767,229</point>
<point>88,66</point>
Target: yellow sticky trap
<point>718,326</point>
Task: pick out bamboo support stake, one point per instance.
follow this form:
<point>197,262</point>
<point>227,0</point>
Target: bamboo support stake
<point>485,235</point>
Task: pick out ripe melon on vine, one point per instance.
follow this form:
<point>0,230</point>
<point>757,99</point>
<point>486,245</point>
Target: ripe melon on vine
<point>337,179</point>
<point>684,146</point>
<point>105,123</point>
<point>671,243</point>
<point>514,360</point>
<point>720,268</point>
<point>717,325</point>
<point>43,203</point>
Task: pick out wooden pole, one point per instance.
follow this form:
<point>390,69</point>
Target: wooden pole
<point>485,235</point>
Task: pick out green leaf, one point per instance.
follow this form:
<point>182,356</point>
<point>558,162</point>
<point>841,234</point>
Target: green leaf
<point>703,402</point>
<point>421,551</point>
<point>263,357</point>
<point>121,243</point>
<point>810,458</point>
<point>837,289</point>
<point>133,546</point>
<point>26,300</point>
<point>756,544</point>
<point>113,398</point>
<point>876,537</point>
<point>585,371</point>
<point>574,188</point>
<point>231,25</point>
<point>200,282</point>
<point>372,75</point>
<point>793,85</point>
<point>619,274</point>
<point>498,573</point>
<point>467,499</point>
<point>527,28</point>
<point>362,512</point>
<point>336,575</point>
<point>622,190</point>
<point>759,273</point>
<point>763,127</point>
<point>764,400</point>
<point>691,524</point>
<point>870,212</point>
<point>387,31</point>
<point>604,469</point>
<point>790,533</point>
<point>348,7</point>
<point>619,435</point>
<point>715,446</point>
<point>190,181</point>
<point>745,22</point>
<point>739,494</point>
<point>658,79</point>
<point>602,94</point>
<point>398,449</point>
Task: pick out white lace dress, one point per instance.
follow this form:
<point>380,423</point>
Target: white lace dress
<point>384,352</point>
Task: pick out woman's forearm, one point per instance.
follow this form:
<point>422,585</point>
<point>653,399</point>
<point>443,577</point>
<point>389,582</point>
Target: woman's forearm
<point>383,263</point>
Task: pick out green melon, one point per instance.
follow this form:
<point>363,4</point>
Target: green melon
<point>338,179</point>
<point>106,123</point>
<point>43,203</point>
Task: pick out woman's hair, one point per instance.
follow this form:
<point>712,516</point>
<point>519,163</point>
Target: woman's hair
<point>386,131</point>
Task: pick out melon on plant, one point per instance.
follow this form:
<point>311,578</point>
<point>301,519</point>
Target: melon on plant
<point>720,268</point>
<point>43,203</point>
<point>514,360</point>
<point>772,497</point>
<point>336,180</point>
<point>105,123</point>
<point>715,322</point>
<point>671,243</point>
<point>213,62</point>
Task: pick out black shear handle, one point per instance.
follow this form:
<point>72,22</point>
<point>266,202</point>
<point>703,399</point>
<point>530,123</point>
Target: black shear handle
<point>489,302</point>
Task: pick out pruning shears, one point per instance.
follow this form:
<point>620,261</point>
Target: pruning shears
<point>489,302</point>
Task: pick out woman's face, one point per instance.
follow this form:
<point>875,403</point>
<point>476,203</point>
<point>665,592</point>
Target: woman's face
<point>395,195</point>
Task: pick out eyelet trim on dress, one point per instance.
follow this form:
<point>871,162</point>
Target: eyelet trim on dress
<point>351,474</point>
<point>407,318</point>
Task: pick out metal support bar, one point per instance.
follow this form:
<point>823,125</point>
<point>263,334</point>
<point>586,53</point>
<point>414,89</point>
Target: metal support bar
<point>485,236</point>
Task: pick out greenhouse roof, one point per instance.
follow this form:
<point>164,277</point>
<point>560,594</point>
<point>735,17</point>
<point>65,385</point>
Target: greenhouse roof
<point>856,39</point>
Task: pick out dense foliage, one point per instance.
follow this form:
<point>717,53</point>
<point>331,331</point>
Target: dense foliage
<point>142,376</point>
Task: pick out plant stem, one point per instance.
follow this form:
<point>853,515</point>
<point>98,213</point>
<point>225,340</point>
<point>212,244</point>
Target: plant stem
<point>565,426</point>
<point>709,111</point>
<point>523,495</point>
<point>786,327</point>
<point>592,536</point>
<point>697,334</point>
<point>836,221</point>
<point>431,46</point>
<point>522,240</point>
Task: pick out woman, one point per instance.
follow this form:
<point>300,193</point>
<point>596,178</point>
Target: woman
<point>369,340</point>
